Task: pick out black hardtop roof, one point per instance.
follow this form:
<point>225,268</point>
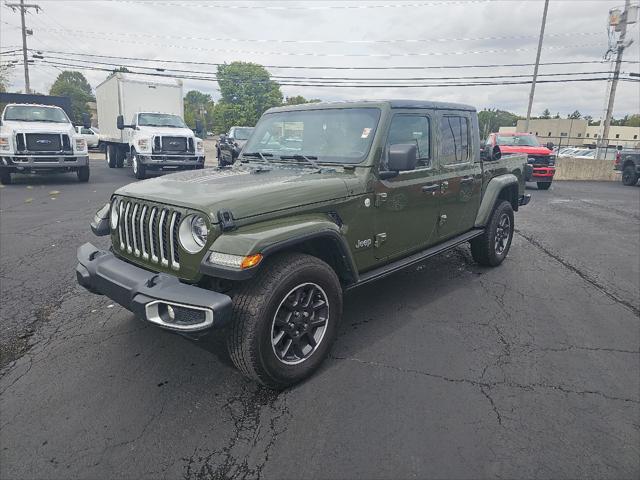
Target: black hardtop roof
<point>372,103</point>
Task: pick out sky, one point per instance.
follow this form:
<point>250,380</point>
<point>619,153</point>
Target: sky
<point>346,34</point>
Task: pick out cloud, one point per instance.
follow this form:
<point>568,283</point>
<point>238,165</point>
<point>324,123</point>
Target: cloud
<point>575,31</point>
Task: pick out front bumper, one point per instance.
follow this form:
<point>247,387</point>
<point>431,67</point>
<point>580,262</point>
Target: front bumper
<point>160,161</point>
<point>149,294</point>
<point>28,162</point>
<point>543,174</point>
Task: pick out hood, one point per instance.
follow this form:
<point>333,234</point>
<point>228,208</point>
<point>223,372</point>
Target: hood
<point>169,131</point>
<point>525,149</point>
<point>243,190</point>
<point>12,126</point>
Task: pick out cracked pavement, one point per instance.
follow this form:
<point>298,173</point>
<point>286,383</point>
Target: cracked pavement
<point>448,370</point>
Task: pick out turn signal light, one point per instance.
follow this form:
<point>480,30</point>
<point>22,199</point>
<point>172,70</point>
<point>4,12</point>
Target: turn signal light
<point>251,261</point>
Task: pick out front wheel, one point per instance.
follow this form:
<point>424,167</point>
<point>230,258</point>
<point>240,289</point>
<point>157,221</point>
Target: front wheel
<point>629,176</point>
<point>492,247</point>
<point>139,170</point>
<point>111,156</point>
<point>83,174</point>
<point>285,320</point>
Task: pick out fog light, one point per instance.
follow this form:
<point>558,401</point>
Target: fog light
<point>171,313</point>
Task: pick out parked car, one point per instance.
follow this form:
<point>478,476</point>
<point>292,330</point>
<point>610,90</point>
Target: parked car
<point>91,135</point>
<point>541,158</point>
<point>41,139</point>
<point>230,144</point>
<point>268,246</point>
<point>628,163</point>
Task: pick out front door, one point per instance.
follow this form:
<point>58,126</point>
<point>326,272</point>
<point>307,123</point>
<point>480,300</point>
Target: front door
<point>459,163</point>
<point>407,205</point>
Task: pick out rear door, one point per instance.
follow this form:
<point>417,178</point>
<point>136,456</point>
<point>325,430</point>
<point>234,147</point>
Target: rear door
<point>459,165</point>
<point>407,205</point>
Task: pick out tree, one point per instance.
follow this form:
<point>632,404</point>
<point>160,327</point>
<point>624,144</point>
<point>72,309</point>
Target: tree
<point>198,106</point>
<point>5,71</point>
<point>247,91</point>
<point>632,120</point>
<point>546,113</point>
<point>490,121</point>
<point>119,70</point>
<point>299,100</point>
<point>575,115</point>
<point>588,118</point>
<point>557,115</point>
<point>75,86</point>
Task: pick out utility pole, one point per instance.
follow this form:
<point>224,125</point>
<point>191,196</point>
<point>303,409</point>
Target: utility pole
<point>614,82</point>
<point>23,9</point>
<point>535,69</point>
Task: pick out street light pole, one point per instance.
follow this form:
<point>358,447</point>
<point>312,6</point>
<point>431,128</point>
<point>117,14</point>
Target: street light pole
<point>535,69</point>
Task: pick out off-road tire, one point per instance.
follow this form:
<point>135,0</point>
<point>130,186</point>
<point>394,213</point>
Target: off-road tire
<point>255,304</point>
<point>111,155</point>
<point>5,177</point>
<point>139,169</point>
<point>544,185</point>
<point>629,176</point>
<point>83,174</point>
<point>483,248</point>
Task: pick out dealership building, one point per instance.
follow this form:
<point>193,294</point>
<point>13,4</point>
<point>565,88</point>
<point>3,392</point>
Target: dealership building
<point>576,132</point>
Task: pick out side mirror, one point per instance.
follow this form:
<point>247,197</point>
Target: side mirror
<point>402,157</point>
<point>86,120</point>
<point>120,122</point>
<point>550,145</point>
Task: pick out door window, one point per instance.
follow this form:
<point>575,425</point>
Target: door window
<point>412,129</point>
<point>454,138</point>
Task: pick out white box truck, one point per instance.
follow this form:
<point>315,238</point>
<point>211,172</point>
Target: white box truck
<point>156,137</point>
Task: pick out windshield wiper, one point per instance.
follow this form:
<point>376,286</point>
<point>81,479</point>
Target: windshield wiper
<point>308,158</point>
<point>260,155</point>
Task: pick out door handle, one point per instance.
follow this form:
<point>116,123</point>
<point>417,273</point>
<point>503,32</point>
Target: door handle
<point>432,189</point>
<point>464,180</point>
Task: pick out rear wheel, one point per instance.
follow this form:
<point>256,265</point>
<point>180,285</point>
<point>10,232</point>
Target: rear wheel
<point>5,177</point>
<point>83,174</point>
<point>285,320</point>
<point>544,185</point>
<point>139,170</point>
<point>629,176</point>
<point>492,247</point>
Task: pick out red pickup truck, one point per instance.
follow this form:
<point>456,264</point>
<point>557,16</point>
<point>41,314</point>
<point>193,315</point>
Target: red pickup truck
<point>541,158</point>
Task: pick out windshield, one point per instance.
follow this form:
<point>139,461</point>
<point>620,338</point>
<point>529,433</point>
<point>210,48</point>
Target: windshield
<point>242,133</point>
<point>33,113</point>
<point>525,140</point>
<point>333,135</point>
<point>160,120</point>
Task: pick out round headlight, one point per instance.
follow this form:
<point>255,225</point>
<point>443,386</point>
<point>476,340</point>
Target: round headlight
<point>193,233</point>
<point>114,214</point>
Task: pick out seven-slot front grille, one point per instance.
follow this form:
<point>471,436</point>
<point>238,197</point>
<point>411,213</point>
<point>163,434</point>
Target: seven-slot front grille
<point>149,232</point>
<point>43,142</point>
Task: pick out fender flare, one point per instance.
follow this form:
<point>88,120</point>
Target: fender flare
<point>491,194</point>
<point>276,238</point>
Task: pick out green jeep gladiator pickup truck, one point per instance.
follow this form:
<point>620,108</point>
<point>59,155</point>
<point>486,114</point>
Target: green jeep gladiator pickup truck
<point>324,198</point>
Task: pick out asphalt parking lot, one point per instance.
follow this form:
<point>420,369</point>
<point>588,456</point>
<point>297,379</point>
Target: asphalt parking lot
<point>450,370</point>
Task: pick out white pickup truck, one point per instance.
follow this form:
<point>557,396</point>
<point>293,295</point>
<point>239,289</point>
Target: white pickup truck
<point>157,138</point>
<point>40,139</point>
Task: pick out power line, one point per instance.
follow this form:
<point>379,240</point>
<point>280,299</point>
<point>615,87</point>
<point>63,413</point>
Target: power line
<point>338,55</point>
<point>327,41</point>
<point>325,67</point>
<point>262,6</point>
<point>322,79</point>
<point>332,85</point>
